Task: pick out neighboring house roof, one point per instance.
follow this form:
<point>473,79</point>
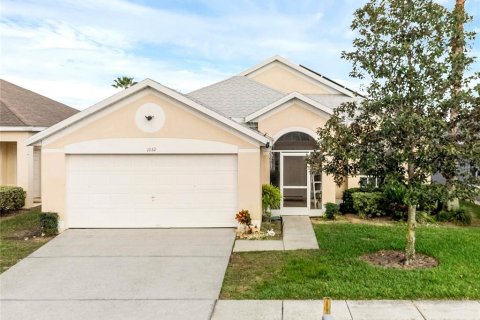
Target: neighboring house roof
<point>305,71</point>
<point>147,83</point>
<point>20,107</point>
<point>236,97</point>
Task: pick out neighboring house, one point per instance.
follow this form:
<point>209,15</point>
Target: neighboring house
<point>24,113</point>
<point>152,157</point>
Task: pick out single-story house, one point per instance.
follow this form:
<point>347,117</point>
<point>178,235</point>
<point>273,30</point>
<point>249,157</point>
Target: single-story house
<point>24,113</point>
<point>150,156</point>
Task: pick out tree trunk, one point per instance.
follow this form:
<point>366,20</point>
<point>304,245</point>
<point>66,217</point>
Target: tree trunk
<point>457,43</point>
<point>411,225</point>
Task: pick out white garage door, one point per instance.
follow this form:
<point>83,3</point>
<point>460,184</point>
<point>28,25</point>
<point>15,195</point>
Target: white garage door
<point>149,191</point>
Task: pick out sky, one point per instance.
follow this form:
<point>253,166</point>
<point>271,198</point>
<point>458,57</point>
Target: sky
<point>72,50</point>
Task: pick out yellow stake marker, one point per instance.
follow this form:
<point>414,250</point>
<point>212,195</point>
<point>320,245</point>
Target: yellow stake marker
<point>327,305</point>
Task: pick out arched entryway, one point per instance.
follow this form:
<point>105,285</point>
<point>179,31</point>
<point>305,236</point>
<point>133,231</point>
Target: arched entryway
<point>301,190</point>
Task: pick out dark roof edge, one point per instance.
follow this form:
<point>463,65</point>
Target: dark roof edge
<point>328,79</point>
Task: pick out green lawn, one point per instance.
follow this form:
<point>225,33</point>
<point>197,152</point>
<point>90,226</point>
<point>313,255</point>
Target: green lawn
<point>13,231</point>
<point>336,270</point>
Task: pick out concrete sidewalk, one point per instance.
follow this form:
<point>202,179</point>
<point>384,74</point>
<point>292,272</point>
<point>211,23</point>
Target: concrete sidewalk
<point>346,310</point>
<point>297,234</point>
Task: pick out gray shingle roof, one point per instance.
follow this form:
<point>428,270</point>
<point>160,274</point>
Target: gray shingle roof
<point>332,100</point>
<point>236,97</point>
<point>21,107</point>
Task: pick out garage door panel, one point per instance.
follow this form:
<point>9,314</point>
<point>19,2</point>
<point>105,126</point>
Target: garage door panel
<point>151,191</point>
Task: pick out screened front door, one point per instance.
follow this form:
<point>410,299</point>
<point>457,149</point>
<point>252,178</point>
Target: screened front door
<point>294,180</point>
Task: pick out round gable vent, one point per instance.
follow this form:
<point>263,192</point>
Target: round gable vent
<point>150,117</point>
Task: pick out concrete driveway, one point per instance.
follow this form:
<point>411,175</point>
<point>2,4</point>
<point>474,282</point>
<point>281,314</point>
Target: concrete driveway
<point>120,274</point>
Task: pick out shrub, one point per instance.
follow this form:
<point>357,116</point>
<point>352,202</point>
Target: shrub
<point>49,223</point>
<point>243,217</point>
<point>368,204</point>
<point>271,198</point>
<point>331,209</point>
<point>461,216</point>
<point>11,198</point>
<point>347,205</point>
<point>394,193</point>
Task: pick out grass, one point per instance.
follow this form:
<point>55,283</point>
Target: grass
<point>14,229</point>
<point>337,272</point>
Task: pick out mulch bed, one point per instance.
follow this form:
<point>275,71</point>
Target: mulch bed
<point>396,259</point>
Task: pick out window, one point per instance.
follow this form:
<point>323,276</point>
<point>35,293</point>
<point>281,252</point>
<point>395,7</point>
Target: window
<point>295,141</point>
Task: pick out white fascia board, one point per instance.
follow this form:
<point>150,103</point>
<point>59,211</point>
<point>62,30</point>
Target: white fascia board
<point>299,69</point>
<point>291,96</point>
<point>134,89</point>
<point>26,128</point>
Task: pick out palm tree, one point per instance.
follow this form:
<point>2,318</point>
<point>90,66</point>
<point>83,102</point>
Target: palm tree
<point>123,82</point>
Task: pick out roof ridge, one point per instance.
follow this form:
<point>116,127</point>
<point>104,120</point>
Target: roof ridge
<point>263,85</point>
<point>208,86</point>
<point>13,113</point>
<point>235,77</point>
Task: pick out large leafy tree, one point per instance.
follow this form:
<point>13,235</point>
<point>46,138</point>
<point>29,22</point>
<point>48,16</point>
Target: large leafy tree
<point>457,154</point>
<point>123,82</point>
<point>403,50</point>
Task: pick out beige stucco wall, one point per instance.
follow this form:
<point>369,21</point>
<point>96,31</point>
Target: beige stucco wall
<point>22,173</point>
<point>8,163</point>
<point>353,182</point>
<point>265,166</point>
<point>339,190</point>
<point>297,116</point>
<point>285,79</point>
<point>180,122</point>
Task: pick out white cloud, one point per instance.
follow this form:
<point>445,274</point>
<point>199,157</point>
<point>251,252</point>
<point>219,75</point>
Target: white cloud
<point>72,50</point>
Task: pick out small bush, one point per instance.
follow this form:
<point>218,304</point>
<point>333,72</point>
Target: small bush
<point>368,204</point>
<point>11,198</point>
<point>271,198</point>
<point>347,205</point>
<point>331,209</point>
<point>461,216</point>
<point>49,223</point>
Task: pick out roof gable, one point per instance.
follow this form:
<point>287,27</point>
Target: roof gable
<point>294,95</point>
<point>305,78</point>
<point>147,83</point>
<point>22,107</point>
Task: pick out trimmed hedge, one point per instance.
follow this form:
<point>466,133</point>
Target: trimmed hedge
<point>347,205</point>
<point>49,223</point>
<point>11,198</point>
<point>461,216</point>
<point>331,209</point>
<point>368,204</point>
